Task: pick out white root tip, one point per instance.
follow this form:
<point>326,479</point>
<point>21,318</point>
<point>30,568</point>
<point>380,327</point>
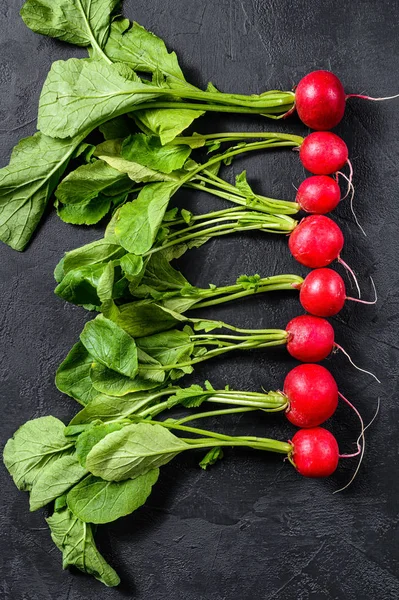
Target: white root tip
<point>354,365</point>
<point>361,437</point>
<point>366,301</point>
<point>364,97</point>
<point>351,190</point>
<point>352,273</point>
<point>349,186</point>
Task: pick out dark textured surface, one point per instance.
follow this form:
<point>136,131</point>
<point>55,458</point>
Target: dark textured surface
<point>250,527</point>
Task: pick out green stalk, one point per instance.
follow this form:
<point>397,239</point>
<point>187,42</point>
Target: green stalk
<point>236,218</point>
<point>214,413</point>
<point>274,337</point>
<point>236,150</point>
<point>234,292</point>
<point>272,113</point>
<point>267,402</point>
<point>232,211</point>
<point>229,136</point>
<point>268,103</point>
<point>231,193</point>
<point>221,324</point>
<point>274,224</point>
<point>227,440</point>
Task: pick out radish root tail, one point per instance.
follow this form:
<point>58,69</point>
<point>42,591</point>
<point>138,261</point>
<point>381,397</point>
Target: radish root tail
<point>361,437</point>
<point>363,97</point>
<point>351,191</point>
<point>354,365</point>
<point>360,447</point>
<point>366,301</point>
<point>352,273</point>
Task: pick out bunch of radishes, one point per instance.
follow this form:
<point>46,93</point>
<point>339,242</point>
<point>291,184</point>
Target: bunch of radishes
<point>316,242</point>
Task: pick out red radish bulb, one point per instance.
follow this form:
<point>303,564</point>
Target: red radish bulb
<point>312,394</point>
<point>323,152</point>
<point>315,452</point>
<point>316,241</point>
<point>310,339</point>
<point>320,100</point>
<point>323,293</point>
<point>318,194</point>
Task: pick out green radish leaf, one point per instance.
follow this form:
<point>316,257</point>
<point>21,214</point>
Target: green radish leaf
<point>133,451</point>
<point>110,153</point>
<point>143,318</point>
<point>211,457</point>
<point>82,286</point>
<point>55,479</point>
<point>243,186</point>
<point>100,251</point>
<point>110,310</point>
<point>80,94</point>
<point>171,215</point>
<point>59,272</point>
<point>119,127</point>
<point>153,375</point>
<point>137,222</point>
<point>187,216</point>
<point>160,277</point>
<point>73,375</point>
<point>148,151</point>
<point>249,282</point>
<point>133,268</point>
<point>106,381</point>
<point>207,325</point>
<point>90,437</point>
<point>190,397</point>
<point>177,251</point>
<point>142,51</point>
<point>85,152</point>
<point>34,445</point>
<point>76,541</point>
<point>166,123</point>
<point>180,304</point>
<point>199,351</point>
<point>76,430</point>
<point>107,408</point>
<point>168,347</point>
<point>84,214</point>
<point>27,183</point>
<point>80,22</point>
<point>105,285</point>
<point>145,52</point>
<point>88,181</point>
<point>60,503</point>
<point>96,501</point>
<point>111,346</point>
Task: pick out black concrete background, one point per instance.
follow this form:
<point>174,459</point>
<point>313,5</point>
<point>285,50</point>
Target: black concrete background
<point>250,527</point>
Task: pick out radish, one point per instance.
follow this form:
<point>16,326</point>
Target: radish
<point>318,194</point>
<point>323,152</point>
<point>323,293</point>
<point>315,452</point>
<point>316,241</point>
<point>312,394</point>
<point>310,339</point>
<point>320,100</point>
